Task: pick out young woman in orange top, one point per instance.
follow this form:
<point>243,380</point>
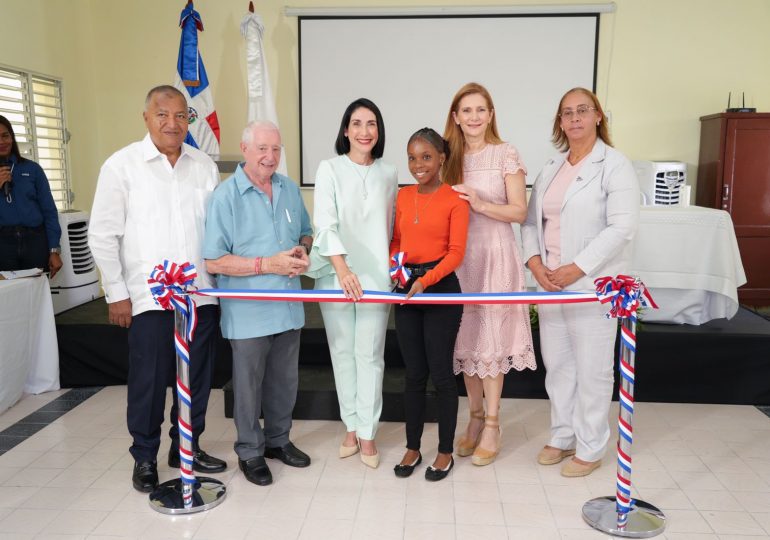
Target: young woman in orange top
<point>431,227</point>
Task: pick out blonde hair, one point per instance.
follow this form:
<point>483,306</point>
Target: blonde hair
<point>559,138</point>
<point>452,172</point>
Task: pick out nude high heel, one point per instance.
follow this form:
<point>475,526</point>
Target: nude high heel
<point>347,451</point>
<point>371,461</point>
<point>482,456</point>
<point>466,446</point>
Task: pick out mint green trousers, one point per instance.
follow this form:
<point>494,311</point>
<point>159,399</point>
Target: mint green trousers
<point>356,336</point>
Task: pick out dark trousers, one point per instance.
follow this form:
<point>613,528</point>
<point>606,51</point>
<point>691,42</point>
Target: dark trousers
<point>23,247</point>
<point>426,337</point>
<point>152,369</point>
<point>265,379</point>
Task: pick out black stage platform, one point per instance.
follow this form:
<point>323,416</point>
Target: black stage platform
<point>718,362</point>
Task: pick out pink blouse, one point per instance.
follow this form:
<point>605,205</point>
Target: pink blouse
<point>553,200</point>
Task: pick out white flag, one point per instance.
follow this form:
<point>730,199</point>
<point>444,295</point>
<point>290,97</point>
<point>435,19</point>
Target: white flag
<point>261,104</point>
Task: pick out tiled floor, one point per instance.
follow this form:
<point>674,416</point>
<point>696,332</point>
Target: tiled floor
<point>706,466</point>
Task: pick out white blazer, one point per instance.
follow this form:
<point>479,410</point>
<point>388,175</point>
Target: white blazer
<point>599,216</point>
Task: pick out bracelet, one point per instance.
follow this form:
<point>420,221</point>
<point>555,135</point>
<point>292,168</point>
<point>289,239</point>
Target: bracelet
<point>258,265</point>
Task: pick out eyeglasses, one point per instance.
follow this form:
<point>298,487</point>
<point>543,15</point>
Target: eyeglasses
<point>581,111</point>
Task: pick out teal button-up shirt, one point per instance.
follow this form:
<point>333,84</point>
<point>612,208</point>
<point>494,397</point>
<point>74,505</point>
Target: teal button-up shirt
<point>242,220</point>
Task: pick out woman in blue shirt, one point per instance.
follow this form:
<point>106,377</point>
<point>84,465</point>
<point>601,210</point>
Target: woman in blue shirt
<point>29,221</point>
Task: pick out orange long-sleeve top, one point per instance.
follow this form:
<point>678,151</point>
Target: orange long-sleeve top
<point>440,232</point>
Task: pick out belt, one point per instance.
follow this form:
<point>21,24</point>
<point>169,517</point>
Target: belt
<point>13,229</point>
<point>419,270</point>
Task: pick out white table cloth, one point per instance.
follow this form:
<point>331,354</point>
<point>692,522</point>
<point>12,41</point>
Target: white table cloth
<point>29,354</point>
<point>688,257</point>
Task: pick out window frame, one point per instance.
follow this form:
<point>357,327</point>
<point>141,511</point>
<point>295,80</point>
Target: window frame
<point>62,196</point>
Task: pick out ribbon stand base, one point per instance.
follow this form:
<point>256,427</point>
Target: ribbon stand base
<point>196,494</point>
<point>643,521</point>
<point>167,497</point>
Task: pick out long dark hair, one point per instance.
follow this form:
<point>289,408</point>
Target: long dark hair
<point>14,145</point>
<point>342,145</point>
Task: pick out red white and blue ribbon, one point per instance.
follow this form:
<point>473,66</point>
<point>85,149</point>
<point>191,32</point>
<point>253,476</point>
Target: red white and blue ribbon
<point>170,285</point>
<point>625,295</point>
<point>399,272</point>
<point>380,297</point>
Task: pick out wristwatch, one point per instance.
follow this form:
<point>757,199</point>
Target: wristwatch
<point>56,250</point>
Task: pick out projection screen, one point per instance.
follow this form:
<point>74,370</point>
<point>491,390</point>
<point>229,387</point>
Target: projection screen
<point>412,66</point>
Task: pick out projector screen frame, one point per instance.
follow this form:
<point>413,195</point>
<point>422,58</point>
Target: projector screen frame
<point>594,14</point>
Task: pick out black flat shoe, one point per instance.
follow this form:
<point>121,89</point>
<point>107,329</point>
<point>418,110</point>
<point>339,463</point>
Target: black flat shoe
<point>405,471</point>
<point>256,471</point>
<point>202,462</point>
<point>434,475</point>
<point>145,477</point>
<point>289,454</point>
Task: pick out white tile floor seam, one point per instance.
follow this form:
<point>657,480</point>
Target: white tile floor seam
<point>706,466</point>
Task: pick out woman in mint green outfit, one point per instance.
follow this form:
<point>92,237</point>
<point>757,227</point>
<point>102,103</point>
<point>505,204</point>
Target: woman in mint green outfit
<point>353,217</point>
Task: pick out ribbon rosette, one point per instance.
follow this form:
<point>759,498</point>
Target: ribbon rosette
<point>399,272</point>
<point>170,285</point>
<point>625,295</point>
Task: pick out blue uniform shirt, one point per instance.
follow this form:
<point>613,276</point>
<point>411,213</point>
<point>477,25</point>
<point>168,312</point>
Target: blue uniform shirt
<point>32,203</point>
<point>241,220</point>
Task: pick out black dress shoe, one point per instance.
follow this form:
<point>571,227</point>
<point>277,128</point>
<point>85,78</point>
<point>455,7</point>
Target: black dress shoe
<point>145,477</point>
<point>256,471</point>
<point>202,462</point>
<point>434,475</point>
<point>404,471</point>
<point>289,454</point>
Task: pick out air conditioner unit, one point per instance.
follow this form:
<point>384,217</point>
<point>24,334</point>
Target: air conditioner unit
<point>78,280</point>
<point>662,183</point>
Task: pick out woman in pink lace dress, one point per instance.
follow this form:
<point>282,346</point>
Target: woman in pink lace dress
<point>492,338</point>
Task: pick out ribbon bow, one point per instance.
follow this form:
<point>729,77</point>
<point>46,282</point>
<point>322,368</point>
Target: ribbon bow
<point>170,284</point>
<point>399,272</point>
<point>625,294</point>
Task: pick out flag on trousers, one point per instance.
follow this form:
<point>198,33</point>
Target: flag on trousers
<point>260,95</point>
<point>192,81</point>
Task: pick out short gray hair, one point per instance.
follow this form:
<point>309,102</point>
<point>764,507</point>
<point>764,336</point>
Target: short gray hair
<point>248,132</point>
<point>166,90</point>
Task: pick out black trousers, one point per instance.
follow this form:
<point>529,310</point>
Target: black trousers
<point>426,337</point>
<point>23,247</point>
<point>152,369</point>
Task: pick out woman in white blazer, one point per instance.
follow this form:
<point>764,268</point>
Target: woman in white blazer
<point>581,220</point>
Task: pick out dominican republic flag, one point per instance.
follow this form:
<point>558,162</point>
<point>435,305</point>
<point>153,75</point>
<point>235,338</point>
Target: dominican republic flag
<point>192,81</point>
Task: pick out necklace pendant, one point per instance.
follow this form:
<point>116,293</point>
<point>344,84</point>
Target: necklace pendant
<point>416,220</point>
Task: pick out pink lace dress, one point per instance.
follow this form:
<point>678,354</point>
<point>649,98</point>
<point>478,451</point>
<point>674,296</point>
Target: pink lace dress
<point>492,338</point>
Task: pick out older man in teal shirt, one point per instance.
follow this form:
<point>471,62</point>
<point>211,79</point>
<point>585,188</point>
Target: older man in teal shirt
<point>258,236</point>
